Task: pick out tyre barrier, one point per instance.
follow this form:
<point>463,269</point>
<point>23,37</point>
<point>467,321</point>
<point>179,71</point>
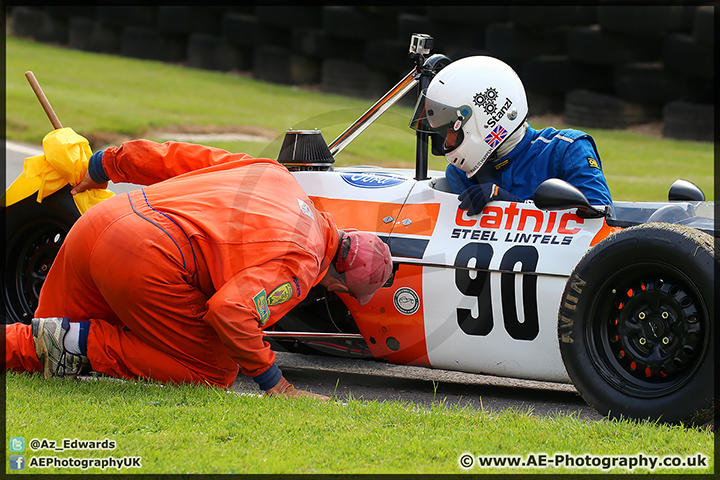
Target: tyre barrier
<point>635,18</point>
<point>280,65</point>
<point>688,121</point>
<point>704,25</point>
<point>683,54</point>
<point>39,25</point>
<point>553,16</point>
<point>647,83</point>
<point>80,33</point>
<point>647,56</point>
<point>599,110</point>
<point>210,52</point>
<point>353,79</point>
<point>187,20</point>
<point>512,44</point>
<point>559,74</point>
<point>591,44</point>
<point>127,16</point>
<point>149,44</point>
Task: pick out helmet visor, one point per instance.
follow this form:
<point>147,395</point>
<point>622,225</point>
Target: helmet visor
<point>435,117</point>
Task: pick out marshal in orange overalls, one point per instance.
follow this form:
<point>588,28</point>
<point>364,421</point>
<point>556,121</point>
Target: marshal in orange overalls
<point>179,278</point>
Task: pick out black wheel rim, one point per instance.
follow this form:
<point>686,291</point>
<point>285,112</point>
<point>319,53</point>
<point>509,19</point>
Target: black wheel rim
<point>28,258</point>
<point>650,330</point>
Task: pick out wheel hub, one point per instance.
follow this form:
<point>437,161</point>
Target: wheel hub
<point>655,328</point>
<point>653,337</point>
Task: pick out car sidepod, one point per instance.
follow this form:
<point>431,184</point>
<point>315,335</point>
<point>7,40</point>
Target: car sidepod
<point>491,284</point>
<point>475,294</point>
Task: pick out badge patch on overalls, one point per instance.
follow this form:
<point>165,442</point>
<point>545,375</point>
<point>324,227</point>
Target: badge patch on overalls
<point>261,305</point>
<point>281,294</point>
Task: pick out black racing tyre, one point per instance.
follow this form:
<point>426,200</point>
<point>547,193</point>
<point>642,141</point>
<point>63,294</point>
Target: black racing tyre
<point>34,233</point>
<point>636,325</point>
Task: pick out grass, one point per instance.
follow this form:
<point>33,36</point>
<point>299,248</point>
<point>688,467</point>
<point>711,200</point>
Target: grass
<point>183,429</point>
<point>189,430</point>
<point>107,98</point>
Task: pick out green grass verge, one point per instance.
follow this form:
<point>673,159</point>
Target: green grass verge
<point>103,96</point>
<point>187,429</point>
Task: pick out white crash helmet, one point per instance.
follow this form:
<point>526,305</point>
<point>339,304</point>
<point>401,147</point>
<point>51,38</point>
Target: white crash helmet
<point>475,104</point>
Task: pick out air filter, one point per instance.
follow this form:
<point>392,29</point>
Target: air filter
<point>305,150</point>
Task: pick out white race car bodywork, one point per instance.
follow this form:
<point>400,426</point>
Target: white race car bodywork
<point>476,294</point>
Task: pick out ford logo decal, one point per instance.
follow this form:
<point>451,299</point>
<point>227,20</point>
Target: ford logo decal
<point>372,180</point>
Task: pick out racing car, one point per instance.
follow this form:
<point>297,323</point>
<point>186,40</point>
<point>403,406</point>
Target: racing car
<point>618,301</point>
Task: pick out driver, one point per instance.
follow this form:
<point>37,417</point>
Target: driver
<point>479,108</point>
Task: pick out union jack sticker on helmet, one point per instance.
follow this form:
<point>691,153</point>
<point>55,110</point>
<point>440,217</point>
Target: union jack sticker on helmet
<point>496,136</point>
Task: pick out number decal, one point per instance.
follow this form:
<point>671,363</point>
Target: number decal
<point>479,287</point>
<point>527,256</point>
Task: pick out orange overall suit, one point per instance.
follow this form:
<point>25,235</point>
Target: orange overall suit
<point>179,278</point>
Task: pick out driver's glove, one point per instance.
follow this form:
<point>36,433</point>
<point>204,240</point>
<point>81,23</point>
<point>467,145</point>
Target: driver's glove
<point>476,197</point>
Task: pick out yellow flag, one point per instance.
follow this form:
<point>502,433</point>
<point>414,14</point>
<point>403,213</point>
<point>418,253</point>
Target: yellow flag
<point>65,160</point>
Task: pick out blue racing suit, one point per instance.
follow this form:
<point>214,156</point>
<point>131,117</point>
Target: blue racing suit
<point>568,154</point>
